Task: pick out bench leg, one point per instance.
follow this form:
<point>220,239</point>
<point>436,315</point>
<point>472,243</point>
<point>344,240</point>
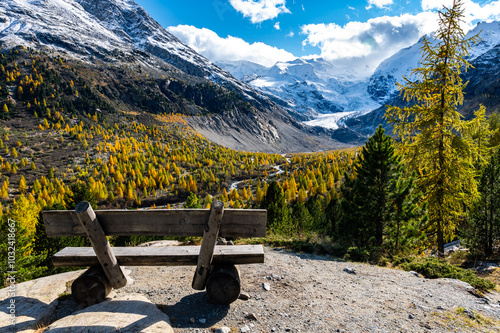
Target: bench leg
<point>91,287</point>
<point>223,284</point>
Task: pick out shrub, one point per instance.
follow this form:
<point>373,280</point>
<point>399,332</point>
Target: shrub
<point>434,268</point>
<point>355,253</point>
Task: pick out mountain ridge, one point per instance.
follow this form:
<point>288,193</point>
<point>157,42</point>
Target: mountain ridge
<point>121,33</point>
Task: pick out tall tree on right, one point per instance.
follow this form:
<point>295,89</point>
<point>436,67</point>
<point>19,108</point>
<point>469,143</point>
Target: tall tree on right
<point>435,140</point>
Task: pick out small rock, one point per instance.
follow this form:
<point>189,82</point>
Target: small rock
<point>244,296</point>
<point>441,307</point>
<point>244,329</point>
<point>222,241</point>
<point>414,273</point>
<point>411,316</point>
<point>266,286</point>
<point>470,313</point>
<point>192,320</point>
<point>203,321</point>
<point>223,330</point>
<point>349,270</point>
<point>251,316</point>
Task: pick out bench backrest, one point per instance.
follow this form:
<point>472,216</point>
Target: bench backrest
<point>159,222</point>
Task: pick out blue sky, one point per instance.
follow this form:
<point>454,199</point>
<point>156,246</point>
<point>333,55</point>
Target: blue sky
<point>361,32</point>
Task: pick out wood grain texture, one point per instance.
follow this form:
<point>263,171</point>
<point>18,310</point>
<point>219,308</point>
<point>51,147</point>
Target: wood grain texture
<point>100,244</point>
<point>91,287</point>
<point>159,222</point>
<point>223,284</point>
<point>207,245</point>
<point>161,256</point>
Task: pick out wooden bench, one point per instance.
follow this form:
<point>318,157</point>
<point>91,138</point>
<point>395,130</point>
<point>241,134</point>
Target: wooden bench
<point>215,271</point>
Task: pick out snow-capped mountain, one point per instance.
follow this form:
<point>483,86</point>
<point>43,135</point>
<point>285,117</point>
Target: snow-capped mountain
<point>382,84</point>
<point>483,79</point>
<point>115,31</point>
<point>329,96</point>
<point>309,86</point>
<point>122,33</point>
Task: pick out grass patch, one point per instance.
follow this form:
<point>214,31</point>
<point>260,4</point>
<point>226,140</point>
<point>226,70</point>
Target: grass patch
<point>466,320</point>
<point>434,268</point>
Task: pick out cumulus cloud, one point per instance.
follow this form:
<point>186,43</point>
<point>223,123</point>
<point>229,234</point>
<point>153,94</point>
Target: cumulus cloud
<point>215,48</point>
<point>260,10</point>
<point>277,26</point>
<point>370,42</point>
<point>379,3</point>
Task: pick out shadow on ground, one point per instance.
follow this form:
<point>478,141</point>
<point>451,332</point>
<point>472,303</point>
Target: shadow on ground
<point>195,306</point>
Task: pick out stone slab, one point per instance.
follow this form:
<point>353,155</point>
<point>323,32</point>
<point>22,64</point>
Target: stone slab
<point>128,314</point>
<point>35,301</point>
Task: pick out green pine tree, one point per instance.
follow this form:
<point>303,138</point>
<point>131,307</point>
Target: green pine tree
<point>484,222</point>
<point>192,201</point>
<point>436,142</point>
<point>378,203</point>
<point>278,213</point>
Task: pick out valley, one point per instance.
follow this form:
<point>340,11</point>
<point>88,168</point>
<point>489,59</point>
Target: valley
<point>100,103</point>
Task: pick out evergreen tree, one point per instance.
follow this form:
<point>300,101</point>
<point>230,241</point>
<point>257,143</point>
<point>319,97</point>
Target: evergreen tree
<point>484,223</point>
<point>434,138</point>
<point>302,218</point>
<point>278,214</point>
<point>80,191</point>
<point>377,200</point>
<point>192,201</point>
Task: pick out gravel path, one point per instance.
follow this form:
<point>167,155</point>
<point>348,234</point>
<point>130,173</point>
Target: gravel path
<point>311,293</point>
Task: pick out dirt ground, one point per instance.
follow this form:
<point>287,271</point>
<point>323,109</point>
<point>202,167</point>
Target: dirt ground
<point>312,293</point>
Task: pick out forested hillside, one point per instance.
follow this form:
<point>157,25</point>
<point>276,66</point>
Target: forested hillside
<point>106,135</point>
<point>118,137</point>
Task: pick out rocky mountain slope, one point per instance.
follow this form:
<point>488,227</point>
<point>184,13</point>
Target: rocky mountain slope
<point>483,79</point>
<point>334,97</point>
<point>309,86</point>
<point>119,33</point>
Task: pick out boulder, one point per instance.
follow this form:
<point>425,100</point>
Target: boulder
<point>127,313</point>
<point>35,301</point>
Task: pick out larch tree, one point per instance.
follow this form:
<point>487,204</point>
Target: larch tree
<point>434,137</point>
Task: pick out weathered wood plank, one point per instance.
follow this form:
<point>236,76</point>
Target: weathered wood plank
<point>159,222</point>
<point>100,244</point>
<point>161,256</point>
<point>207,245</point>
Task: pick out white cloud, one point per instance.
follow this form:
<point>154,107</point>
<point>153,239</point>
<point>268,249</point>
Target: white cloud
<point>215,48</point>
<point>368,43</point>
<point>474,12</point>
<point>260,10</point>
<point>379,3</point>
<point>290,34</point>
<point>277,26</point>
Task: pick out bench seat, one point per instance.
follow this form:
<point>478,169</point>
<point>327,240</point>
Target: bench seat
<point>161,256</point>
